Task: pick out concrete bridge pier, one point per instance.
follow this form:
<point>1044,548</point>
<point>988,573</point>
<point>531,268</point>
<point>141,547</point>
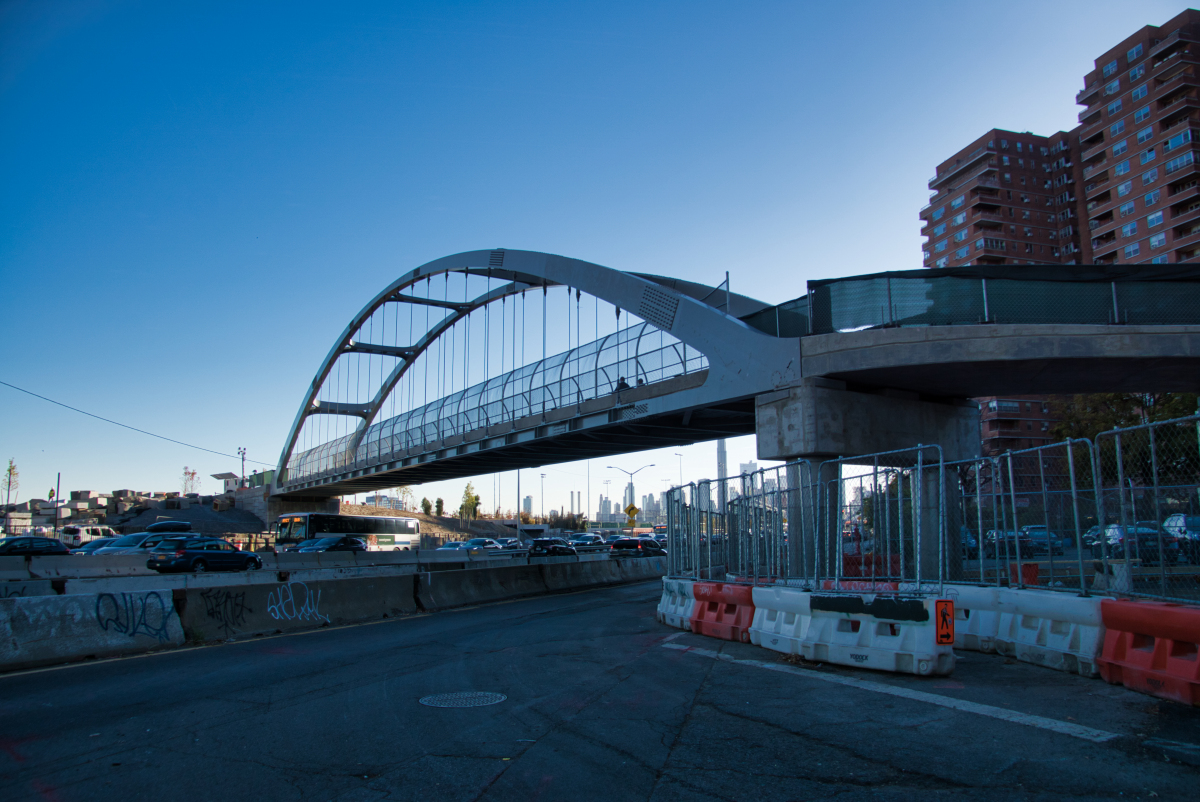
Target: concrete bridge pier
<point>822,419</point>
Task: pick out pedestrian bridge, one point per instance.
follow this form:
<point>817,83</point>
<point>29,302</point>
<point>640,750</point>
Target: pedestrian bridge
<point>482,362</point>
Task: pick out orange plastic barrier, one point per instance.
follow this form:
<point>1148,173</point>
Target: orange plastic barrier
<point>723,611</point>
<point>855,566</point>
<point>1152,647</point>
<point>1029,574</point>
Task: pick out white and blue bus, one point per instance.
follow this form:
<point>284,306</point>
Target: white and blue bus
<point>380,533</point>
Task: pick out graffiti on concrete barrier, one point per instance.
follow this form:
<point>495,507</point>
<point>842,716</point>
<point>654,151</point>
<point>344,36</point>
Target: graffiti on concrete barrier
<point>295,602</point>
<point>16,592</point>
<point>226,608</point>
<point>134,614</point>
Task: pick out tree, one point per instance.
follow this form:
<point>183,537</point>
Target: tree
<point>470,502</point>
<point>11,482</point>
<point>440,507</point>
<point>426,506</point>
<point>406,496</point>
<point>191,480</point>
<point>1085,416</point>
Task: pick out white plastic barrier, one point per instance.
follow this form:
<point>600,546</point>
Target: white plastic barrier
<point>781,618</point>
<point>976,616</point>
<point>880,632</point>
<point>677,603</point>
<point>1056,630</point>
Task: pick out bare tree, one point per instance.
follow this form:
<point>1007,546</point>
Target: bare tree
<point>191,480</point>
<point>11,483</point>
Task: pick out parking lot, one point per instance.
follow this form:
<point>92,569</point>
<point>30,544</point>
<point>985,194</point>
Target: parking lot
<point>602,702</point>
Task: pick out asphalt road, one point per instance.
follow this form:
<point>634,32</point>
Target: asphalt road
<point>603,703</point>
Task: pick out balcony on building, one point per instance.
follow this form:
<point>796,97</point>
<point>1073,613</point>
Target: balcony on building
<point>1100,146</point>
<point>1083,96</point>
<point>1180,106</point>
<point>1090,171</point>
<point>1185,211</point>
<point>986,219</point>
<point>1089,117</point>
<point>1177,41</point>
<point>1096,186</point>
<point>1100,221</point>
<point>974,158</point>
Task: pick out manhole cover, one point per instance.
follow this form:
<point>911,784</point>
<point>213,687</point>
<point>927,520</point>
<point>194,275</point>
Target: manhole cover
<point>463,699</point>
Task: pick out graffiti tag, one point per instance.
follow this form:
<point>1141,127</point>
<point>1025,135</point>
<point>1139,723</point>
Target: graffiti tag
<point>134,614</point>
<point>295,602</point>
<point>227,609</point>
<point>13,593</point>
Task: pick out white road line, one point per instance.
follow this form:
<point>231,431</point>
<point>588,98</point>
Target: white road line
<point>1062,727</point>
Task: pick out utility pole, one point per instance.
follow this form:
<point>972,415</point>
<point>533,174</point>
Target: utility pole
<point>57,501</point>
<point>242,454</point>
<point>543,498</point>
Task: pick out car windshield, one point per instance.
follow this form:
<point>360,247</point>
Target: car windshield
<point>478,541</point>
<point>305,543</point>
<point>321,541</point>
<point>453,544</point>
<point>129,540</point>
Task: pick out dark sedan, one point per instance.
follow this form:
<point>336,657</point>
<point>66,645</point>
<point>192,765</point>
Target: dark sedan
<point>351,544</point>
<point>551,547</point>
<point>31,547</point>
<point>638,547</point>
<point>200,554</point>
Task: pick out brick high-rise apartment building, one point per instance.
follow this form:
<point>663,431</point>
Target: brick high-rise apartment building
<point>1122,188</point>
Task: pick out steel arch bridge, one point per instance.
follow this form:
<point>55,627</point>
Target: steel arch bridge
<point>693,370</point>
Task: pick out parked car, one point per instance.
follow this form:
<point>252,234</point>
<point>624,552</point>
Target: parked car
<point>169,526</point>
<point>638,547</point>
<point>1014,545</point>
<point>1145,541</point>
<point>510,542</point>
<point>611,539</point>
<point>137,543</point>
<point>318,544</point>
<point>968,543</point>
<point>586,539</point>
<point>76,536</point>
<point>25,546</point>
<point>451,545</point>
<point>93,545</point>
<point>1185,529</point>
<point>1045,540</point>
<point>199,554</point>
<point>551,547</point>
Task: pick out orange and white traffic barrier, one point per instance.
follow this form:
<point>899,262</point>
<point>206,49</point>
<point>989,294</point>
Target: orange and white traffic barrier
<point>677,604</point>
<point>1152,647</point>
<point>723,610</point>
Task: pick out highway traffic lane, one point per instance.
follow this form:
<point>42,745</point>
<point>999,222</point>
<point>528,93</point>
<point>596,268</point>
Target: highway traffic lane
<point>597,707</point>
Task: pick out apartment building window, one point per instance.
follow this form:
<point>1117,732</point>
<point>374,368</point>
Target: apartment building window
<point>1152,197</point>
<point>1141,114</point>
<point>1132,250</point>
<point>1159,260</point>
<point>1126,209</point>
<point>1158,240</point>
<point>1110,68</point>
<point>939,230</point>
<point>1138,93</point>
<point>1114,107</point>
<point>1018,147</point>
<point>1147,155</point>
<point>1154,220</point>
<point>1150,176</point>
<point>958,202</point>
<point>1028,231</point>
<point>1134,54</point>
<point>1118,128</point>
<point>1137,72</point>
<point>1112,87</point>
<point>1120,147</point>
<point>1179,162</point>
<point>1122,168</point>
<point>941,246</point>
<point>959,219</point>
<point>1004,161</point>
<point>960,236</point>
<point>1003,144</point>
<point>1124,189</point>
<point>1177,140</point>
<point>962,253</point>
<point>938,214</point>
<point>925,255</point>
<point>1145,134</point>
<point>945,260</point>
<point>1008,178</point>
<point>1129,229</point>
<point>1026,215</point>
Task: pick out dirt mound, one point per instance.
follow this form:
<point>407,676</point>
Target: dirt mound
<point>203,520</point>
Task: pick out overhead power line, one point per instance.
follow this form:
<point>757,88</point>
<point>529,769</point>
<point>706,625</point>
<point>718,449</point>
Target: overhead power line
<point>131,428</point>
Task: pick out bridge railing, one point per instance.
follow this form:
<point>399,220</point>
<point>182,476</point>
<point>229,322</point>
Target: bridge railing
<point>1146,295</point>
<point>591,371</point>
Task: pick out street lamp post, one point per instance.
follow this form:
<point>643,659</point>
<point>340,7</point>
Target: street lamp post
<point>543,498</point>
<point>242,454</point>
<point>631,473</point>
<point>680,468</point>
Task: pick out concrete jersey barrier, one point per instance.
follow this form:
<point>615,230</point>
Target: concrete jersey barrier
<point>44,630</point>
<point>439,590</point>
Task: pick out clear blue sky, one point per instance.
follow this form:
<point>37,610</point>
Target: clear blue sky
<point>195,198</point>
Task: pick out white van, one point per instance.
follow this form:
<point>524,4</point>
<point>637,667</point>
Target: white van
<point>75,536</point>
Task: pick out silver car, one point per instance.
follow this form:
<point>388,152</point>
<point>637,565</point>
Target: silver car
<point>139,543</point>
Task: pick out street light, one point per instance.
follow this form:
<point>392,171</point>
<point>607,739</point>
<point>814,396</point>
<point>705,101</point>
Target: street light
<point>680,468</point>
<point>631,473</point>
<point>543,498</point>
<point>242,454</point>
